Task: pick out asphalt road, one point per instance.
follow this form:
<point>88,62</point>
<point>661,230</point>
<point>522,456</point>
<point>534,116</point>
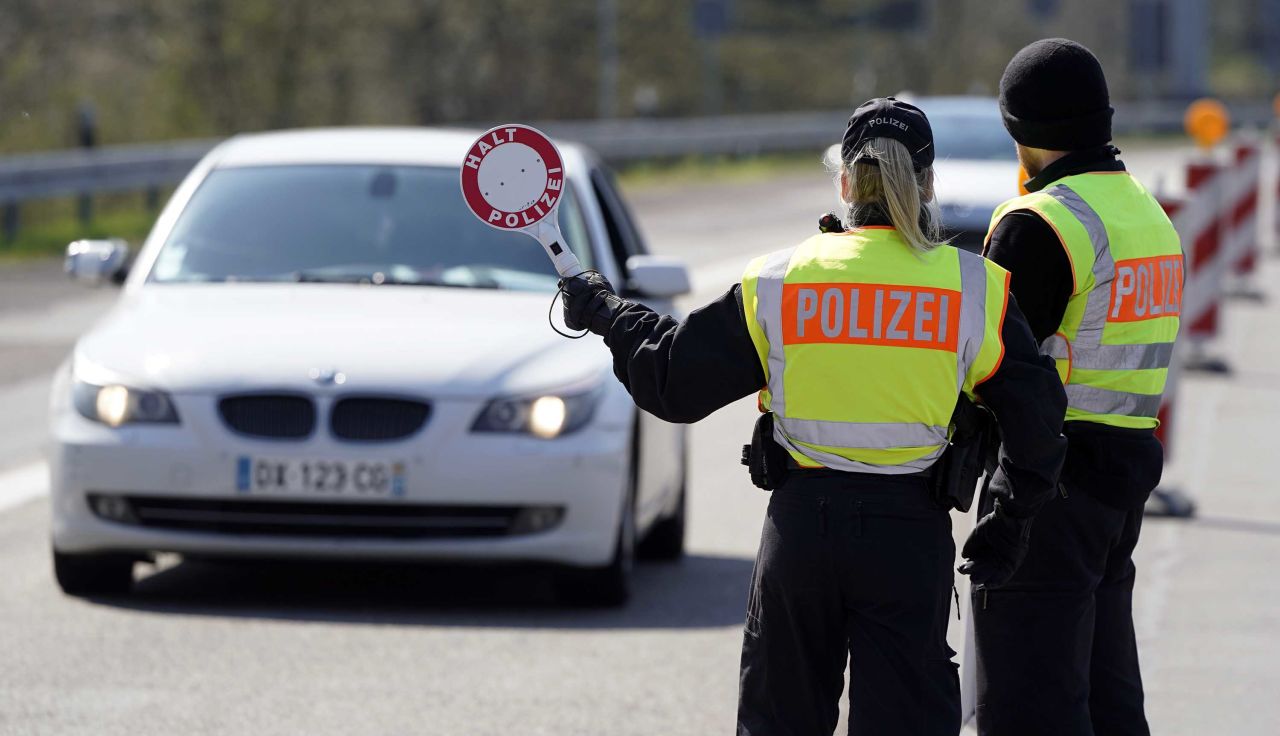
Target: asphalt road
<point>272,649</point>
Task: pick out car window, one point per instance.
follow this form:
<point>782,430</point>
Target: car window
<point>377,224</point>
<point>624,238</point>
<point>965,136</point>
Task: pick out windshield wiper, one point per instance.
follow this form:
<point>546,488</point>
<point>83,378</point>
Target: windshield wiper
<point>326,276</point>
<point>469,277</point>
<point>383,278</point>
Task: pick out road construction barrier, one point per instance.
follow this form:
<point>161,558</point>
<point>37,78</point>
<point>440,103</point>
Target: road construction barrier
<point>1241,228</point>
<point>1217,219</point>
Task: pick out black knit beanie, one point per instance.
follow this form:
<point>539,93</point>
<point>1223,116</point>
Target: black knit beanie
<point>1053,95</point>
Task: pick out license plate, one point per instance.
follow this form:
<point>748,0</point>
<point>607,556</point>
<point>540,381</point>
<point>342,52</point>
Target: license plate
<point>347,478</point>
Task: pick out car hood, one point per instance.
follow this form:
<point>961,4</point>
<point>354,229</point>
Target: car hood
<point>444,342</point>
<point>969,188</point>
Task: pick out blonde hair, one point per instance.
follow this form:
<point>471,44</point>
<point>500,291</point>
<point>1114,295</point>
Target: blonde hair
<point>888,182</point>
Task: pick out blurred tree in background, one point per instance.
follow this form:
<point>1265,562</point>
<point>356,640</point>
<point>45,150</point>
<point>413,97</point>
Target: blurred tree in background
<point>167,69</point>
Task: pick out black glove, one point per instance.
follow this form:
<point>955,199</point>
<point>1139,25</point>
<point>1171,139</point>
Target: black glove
<point>590,303</point>
<point>995,548</point>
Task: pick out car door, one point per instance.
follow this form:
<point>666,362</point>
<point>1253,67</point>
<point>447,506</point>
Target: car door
<point>660,464</point>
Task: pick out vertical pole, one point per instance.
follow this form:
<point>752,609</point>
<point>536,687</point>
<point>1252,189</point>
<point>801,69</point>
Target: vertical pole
<point>84,208</point>
<point>607,40</point>
<point>1188,39</point>
<point>1268,20</point>
<point>712,96</point>
<point>87,137</point>
<point>11,220</point>
<point>710,21</point>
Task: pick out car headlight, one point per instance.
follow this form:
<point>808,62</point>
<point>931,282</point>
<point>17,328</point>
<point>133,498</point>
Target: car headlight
<point>115,405</point>
<point>547,416</point>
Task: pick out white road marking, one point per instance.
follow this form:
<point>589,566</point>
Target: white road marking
<point>22,484</point>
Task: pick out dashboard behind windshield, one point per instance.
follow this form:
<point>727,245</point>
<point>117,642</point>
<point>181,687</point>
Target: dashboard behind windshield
<point>353,223</point>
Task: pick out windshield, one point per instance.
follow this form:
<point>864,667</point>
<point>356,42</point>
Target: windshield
<point>971,136</point>
<point>353,224</point>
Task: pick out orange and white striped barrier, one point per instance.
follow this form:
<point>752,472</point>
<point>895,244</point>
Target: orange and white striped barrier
<point>1204,226</point>
<point>1241,234</point>
<point>1218,222</point>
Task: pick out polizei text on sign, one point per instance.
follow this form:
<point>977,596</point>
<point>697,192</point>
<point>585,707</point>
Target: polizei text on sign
<point>512,177</point>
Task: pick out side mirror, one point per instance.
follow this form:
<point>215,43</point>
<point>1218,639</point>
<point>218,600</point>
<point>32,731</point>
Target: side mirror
<point>659,277</point>
<point>97,261</point>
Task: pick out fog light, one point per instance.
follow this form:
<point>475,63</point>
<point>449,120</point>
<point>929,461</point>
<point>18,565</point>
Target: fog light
<point>112,508</point>
<point>536,519</point>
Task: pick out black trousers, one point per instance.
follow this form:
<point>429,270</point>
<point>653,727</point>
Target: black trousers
<point>1055,646</point>
<point>851,568</point>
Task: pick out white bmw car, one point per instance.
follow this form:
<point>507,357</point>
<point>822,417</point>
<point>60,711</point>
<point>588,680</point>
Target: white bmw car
<point>320,353</point>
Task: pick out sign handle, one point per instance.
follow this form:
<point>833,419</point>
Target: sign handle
<point>547,232</point>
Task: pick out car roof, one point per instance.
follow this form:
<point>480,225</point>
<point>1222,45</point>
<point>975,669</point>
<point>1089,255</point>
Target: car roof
<point>955,105</point>
<point>362,145</point>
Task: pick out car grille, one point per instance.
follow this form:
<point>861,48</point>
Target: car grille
<point>311,519</point>
<point>273,416</point>
<point>373,419</point>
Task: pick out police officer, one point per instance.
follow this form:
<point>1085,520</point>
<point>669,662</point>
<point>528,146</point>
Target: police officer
<point>1097,269</point>
<point>863,341</point>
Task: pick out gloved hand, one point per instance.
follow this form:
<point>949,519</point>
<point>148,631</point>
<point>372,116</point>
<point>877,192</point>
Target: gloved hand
<point>590,302</point>
<point>995,548</point>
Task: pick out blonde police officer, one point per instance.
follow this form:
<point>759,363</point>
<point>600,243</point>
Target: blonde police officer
<point>863,341</point>
<point>1097,267</point>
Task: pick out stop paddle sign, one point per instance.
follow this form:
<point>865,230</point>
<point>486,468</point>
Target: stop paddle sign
<point>513,179</point>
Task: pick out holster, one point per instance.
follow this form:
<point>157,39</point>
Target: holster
<point>764,457</point>
<point>973,441</point>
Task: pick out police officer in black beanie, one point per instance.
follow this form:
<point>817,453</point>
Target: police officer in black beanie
<point>1053,96</point>
<point>1056,652</point>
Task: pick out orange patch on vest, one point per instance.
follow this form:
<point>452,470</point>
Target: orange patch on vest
<point>871,314</point>
<point>1146,288</point>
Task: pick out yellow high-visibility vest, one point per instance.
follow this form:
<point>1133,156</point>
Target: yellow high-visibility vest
<point>1116,340</point>
<point>867,344</point>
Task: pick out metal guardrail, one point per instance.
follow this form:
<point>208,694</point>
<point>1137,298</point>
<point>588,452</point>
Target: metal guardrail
<point>140,167</point>
<point>108,169</point>
<point>622,141</point>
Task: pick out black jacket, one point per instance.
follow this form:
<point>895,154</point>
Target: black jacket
<point>683,371</point>
<point>1119,467</point>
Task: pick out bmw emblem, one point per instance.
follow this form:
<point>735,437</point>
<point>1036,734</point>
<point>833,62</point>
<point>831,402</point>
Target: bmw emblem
<point>327,376</point>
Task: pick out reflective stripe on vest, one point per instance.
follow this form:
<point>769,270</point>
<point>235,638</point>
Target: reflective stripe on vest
<point>973,311</point>
<point>1109,357</point>
<point>770,288</point>
<point>769,314</point>
<point>1105,401</point>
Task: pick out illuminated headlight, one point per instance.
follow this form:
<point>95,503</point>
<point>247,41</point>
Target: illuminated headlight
<point>115,405</point>
<point>543,416</point>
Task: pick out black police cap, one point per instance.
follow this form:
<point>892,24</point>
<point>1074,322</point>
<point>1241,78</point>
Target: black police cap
<point>886,117</point>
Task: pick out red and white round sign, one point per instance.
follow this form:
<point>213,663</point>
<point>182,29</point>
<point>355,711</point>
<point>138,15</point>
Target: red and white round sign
<point>512,177</point>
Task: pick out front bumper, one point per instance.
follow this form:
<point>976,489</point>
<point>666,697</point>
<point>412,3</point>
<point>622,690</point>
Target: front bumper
<point>584,474</point>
